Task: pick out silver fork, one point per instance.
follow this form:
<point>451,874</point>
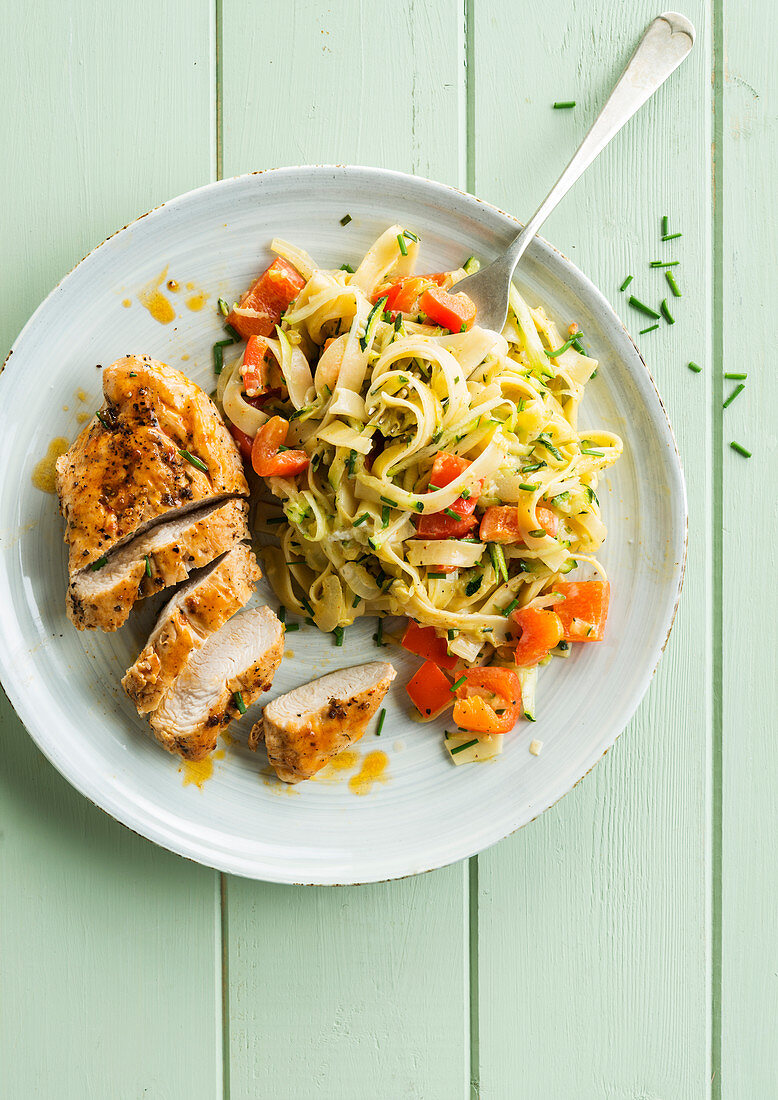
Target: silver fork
<point>665,44</point>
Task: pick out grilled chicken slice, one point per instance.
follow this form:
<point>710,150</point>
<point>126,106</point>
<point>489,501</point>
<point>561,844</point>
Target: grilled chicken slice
<point>157,445</point>
<point>199,608</point>
<point>229,670</point>
<point>306,727</point>
<point>103,597</point>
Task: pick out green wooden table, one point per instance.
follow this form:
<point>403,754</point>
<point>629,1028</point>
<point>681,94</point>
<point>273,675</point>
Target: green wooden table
<point>624,945</point>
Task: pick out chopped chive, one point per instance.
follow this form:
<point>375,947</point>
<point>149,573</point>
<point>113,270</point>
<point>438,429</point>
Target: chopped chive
<point>741,450</point>
<point>467,745</point>
<point>282,613</point>
<point>102,420</point>
<point>132,374</point>
<point>511,606</point>
<point>651,328</point>
<point>497,554</point>
<point>451,634</point>
<point>193,460</point>
<point>291,627</point>
<point>386,513</point>
<point>532,467</point>
<point>587,449</point>
<point>694,367</point>
<point>347,267</point>
<point>526,487</point>
<point>671,236</point>
<point>386,500</point>
<point>735,393</point>
<point>234,334</point>
<point>237,699</point>
<point>637,304</point>
<point>626,282</point>
<point>664,263</point>
<point>218,355</point>
<point>378,637</point>
<point>352,461</point>
<point>99,563</point>
<point>664,225</point>
<point>736,377</point>
<point>539,534</point>
<point>436,576</point>
<point>276,519</point>
<point>452,513</point>
<point>564,104</point>
<point>338,633</point>
<point>666,312</point>
<point>147,560</point>
<point>381,720</point>
<point>411,236</point>
<point>548,445</point>
<point>458,683</point>
<point>419,506</point>
<point>345,219</point>
<point>356,601</point>
<point>224,309</point>
<point>673,284</point>
<point>472,586</point>
<point>565,346</point>
<point>362,518</point>
<point>402,245</point>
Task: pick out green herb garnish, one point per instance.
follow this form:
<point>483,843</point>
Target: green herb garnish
<point>651,328</point>
<point>381,720</point>
<point>741,450</point>
<point>472,586</point>
<point>673,284</point>
<point>666,312</point>
<point>402,245</point>
<point>458,683</point>
<point>526,487</point>
<point>218,354</point>
<point>345,219</point>
<point>564,104</point>
<point>237,699</point>
<point>735,393</point>
<point>736,377</point>
<point>694,367</point>
<point>193,460</point>
<point>497,554</point>
<point>338,634</point>
<point>626,282</point>
<point>467,744</point>
<point>99,563</point>
<point>361,519</point>
<point>637,304</point>
<point>147,560</point>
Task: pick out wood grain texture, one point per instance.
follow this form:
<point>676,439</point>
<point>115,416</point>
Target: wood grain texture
<point>593,921</point>
<point>747,144</point>
<point>355,992</point>
<point>108,945</point>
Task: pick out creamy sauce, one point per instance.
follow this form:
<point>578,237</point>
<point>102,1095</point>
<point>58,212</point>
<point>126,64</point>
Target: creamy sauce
<point>190,286</point>
<point>82,417</point>
<point>373,770</point>
<point>227,737</point>
<point>289,653</point>
<point>197,301</point>
<point>82,395</point>
<point>44,472</point>
<point>185,357</point>
<point>344,761</point>
<point>197,771</point>
<point>219,754</point>
<point>126,303</point>
<point>65,408</point>
<point>152,298</point>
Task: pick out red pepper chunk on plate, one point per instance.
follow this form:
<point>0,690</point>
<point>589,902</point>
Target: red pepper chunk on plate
<point>539,631</point>
<point>500,523</point>
<point>430,691</point>
<point>584,609</point>
<point>457,520</point>
<point>269,457</point>
<point>266,299</point>
<point>455,312</point>
<point>424,642</point>
<point>488,701</point>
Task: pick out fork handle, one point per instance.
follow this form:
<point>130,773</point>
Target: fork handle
<point>665,44</point>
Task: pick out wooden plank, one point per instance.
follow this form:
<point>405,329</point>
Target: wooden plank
<point>370,982</point>
<point>593,920</point>
<point>746,163</point>
<point>108,945</point>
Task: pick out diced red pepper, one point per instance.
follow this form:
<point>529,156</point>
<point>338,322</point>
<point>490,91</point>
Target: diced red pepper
<point>254,368</point>
<point>489,701</point>
<point>402,296</point>
<point>453,311</point>
<point>430,691</point>
<point>584,609</point>
<point>423,641</point>
<point>500,523</point>
<point>267,298</point>
<point>244,441</point>
<point>539,631</point>
<point>267,459</point>
<point>439,525</point>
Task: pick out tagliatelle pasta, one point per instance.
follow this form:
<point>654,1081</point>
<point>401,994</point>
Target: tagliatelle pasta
<point>373,391</point>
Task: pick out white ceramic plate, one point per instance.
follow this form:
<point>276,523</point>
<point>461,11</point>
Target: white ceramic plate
<point>65,684</point>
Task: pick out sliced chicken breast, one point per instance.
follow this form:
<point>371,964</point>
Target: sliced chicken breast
<point>220,679</point>
<point>305,728</point>
<point>102,597</point>
<point>157,446</point>
<point>198,609</point>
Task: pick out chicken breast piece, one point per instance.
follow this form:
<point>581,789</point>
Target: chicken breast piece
<point>199,608</point>
<point>229,670</point>
<point>166,555</point>
<point>305,728</point>
<point>157,445</point>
